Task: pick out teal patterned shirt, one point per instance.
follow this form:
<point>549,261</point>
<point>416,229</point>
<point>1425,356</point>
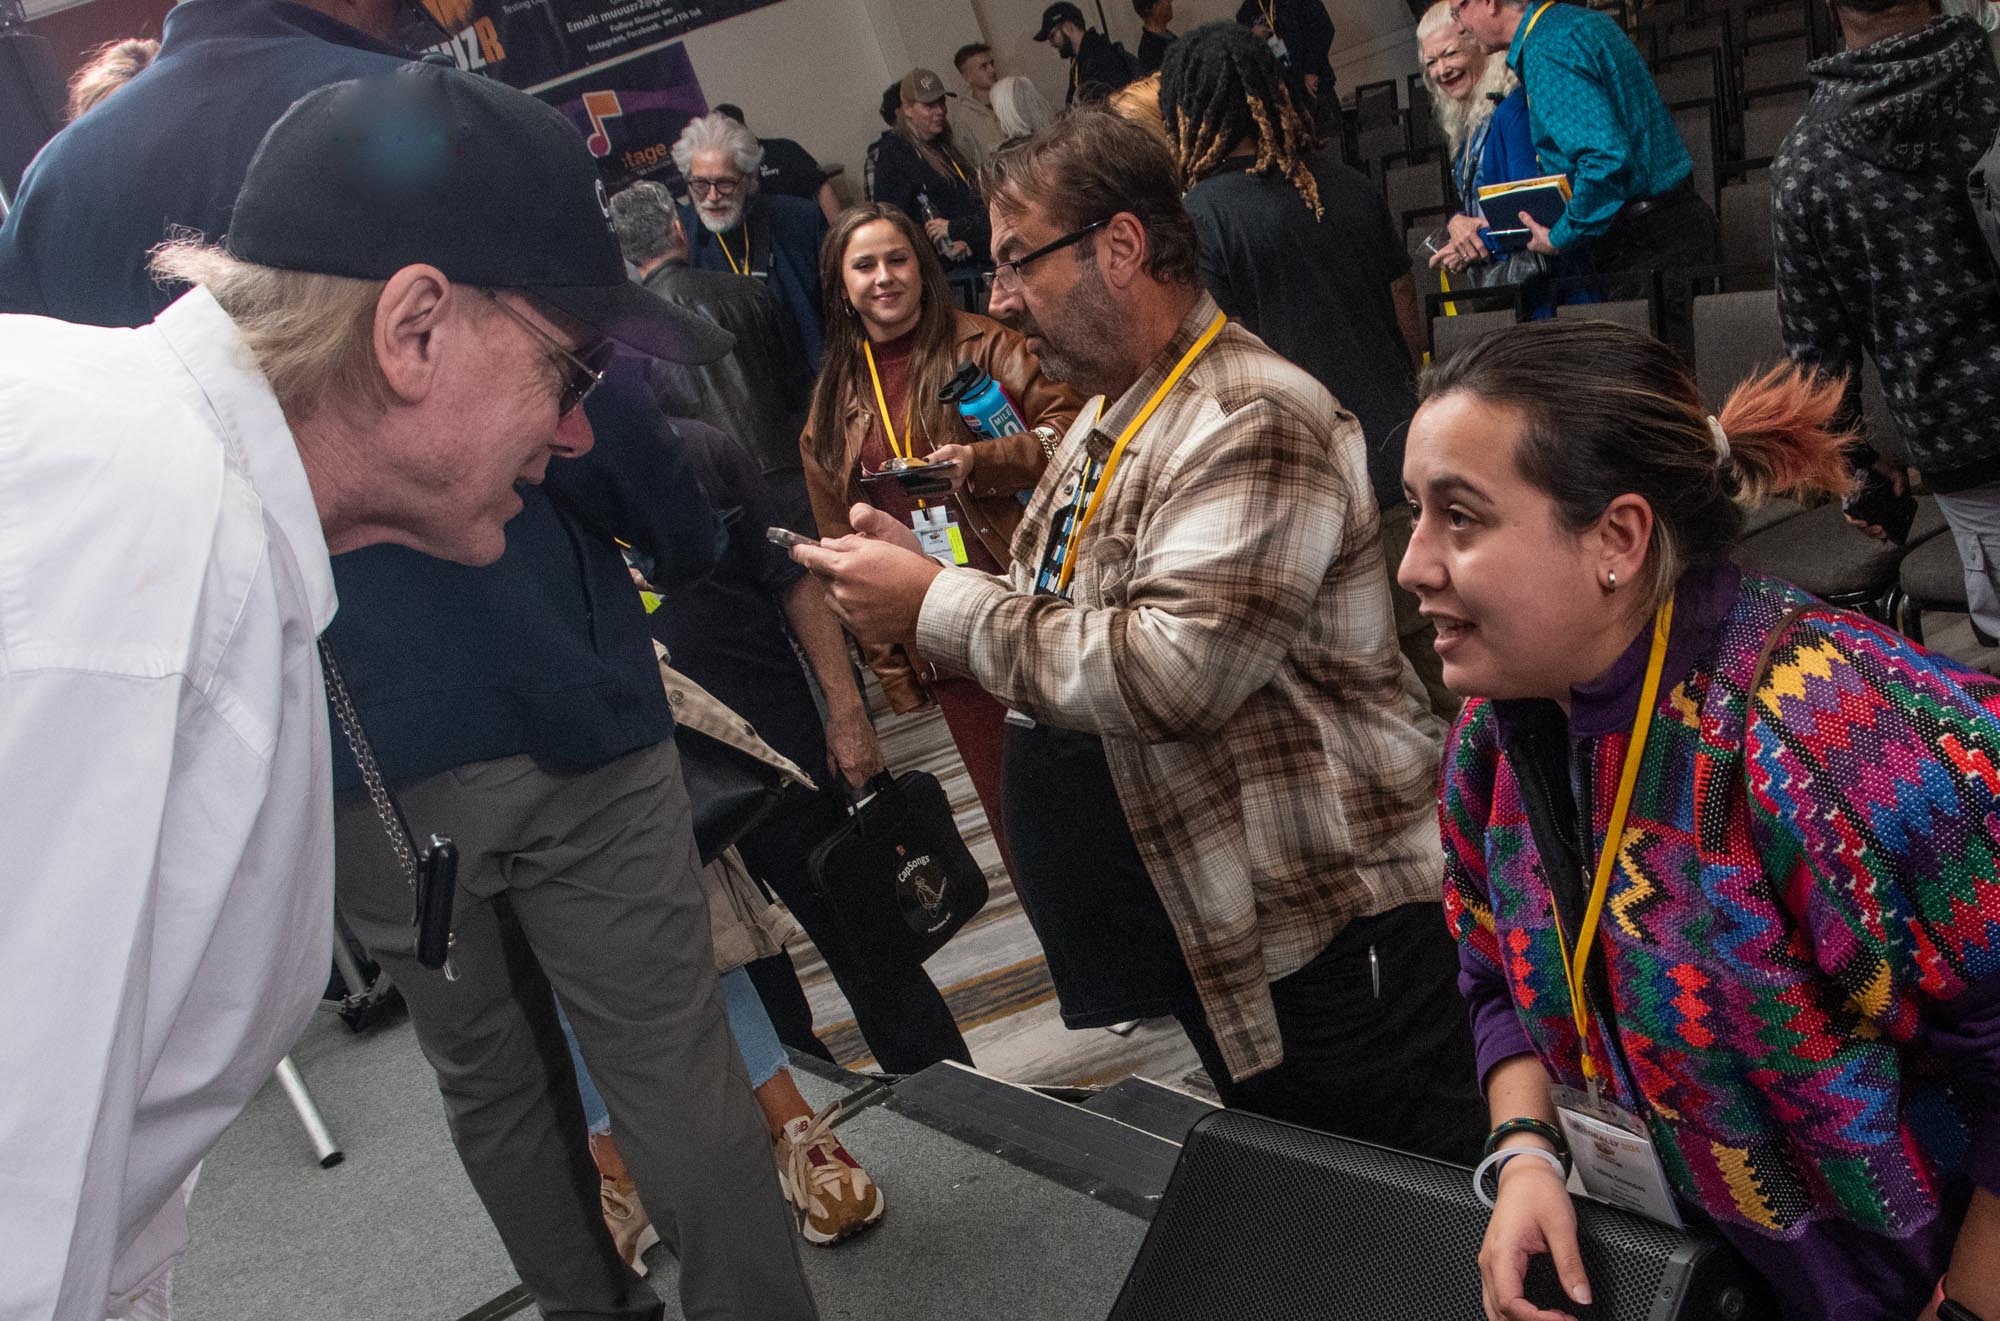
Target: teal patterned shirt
<point>1596,116</point>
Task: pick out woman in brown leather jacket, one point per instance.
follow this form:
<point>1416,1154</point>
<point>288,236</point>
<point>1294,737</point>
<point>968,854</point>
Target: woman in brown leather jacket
<point>893,339</point>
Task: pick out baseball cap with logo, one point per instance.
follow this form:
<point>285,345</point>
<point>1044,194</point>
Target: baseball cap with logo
<point>430,166</point>
<point>1062,12</point>
<point>922,87</point>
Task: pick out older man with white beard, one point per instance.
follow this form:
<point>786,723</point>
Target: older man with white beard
<point>733,227</point>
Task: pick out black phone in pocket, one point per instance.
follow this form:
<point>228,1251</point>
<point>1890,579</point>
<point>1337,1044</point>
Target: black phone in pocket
<point>437,883</point>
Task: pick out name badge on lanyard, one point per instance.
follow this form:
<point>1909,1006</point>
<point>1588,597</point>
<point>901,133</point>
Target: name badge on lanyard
<point>1610,1148</point>
<point>1614,1156</point>
<point>939,536</point>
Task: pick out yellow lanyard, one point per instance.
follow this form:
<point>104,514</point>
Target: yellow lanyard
<point>1535,18</point>
<point>745,268</point>
<point>953,160</point>
<point>1271,14</point>
<point>1125,438</point>
<point>908,448</point>
<point>1574,963</point>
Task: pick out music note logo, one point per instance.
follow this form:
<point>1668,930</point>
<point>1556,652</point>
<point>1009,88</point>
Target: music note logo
<point>600,106</point>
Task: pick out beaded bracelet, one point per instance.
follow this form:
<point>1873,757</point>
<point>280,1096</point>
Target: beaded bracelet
<point>1498,1161</point>
<point>1549,1133</point>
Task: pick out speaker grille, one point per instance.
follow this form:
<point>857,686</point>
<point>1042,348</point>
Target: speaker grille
<point>1265,1220</point>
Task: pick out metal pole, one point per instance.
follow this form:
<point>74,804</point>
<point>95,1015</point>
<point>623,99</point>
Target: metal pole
<point>350,969</point>
<point>324,1147</point>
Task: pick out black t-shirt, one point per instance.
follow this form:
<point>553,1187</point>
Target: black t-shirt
<point>1153,48</point>
<point>789,169</point>
<point>727,632</point>
<point>1317,291</point>
<point>1102,67</point>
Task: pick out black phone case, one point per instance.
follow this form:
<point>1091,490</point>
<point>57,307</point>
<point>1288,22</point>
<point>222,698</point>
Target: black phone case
<point>1877,502</point>
<point>437,881</point>
<point>930,480</point>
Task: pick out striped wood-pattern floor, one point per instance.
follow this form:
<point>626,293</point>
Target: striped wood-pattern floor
<point>993,973</point>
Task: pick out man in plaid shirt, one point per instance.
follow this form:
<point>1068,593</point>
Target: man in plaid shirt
<point>1220,768</point>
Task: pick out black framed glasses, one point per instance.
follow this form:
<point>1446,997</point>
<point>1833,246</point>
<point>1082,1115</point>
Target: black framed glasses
<point>581,374</point>
<point>1007,275</point>
<point>719,187</point>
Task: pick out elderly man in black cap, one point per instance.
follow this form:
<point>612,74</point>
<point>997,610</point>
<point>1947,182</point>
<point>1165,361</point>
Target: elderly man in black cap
<point>419,289</point>
<point>1098,66</point>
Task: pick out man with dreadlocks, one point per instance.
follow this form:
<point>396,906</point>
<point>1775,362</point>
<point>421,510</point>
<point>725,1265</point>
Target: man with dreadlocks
<point>1300,248</point>
<point>1218,786</point>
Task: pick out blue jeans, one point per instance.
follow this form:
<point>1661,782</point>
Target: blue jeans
<point>756,1041</point>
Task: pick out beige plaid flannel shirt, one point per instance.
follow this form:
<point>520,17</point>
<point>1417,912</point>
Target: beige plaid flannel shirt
<point>1231,640</point>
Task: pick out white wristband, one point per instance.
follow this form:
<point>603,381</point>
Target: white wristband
<point>1501,1157</point>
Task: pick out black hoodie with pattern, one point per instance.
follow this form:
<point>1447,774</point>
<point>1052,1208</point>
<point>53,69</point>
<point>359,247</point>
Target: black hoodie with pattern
<point>1877,248</point>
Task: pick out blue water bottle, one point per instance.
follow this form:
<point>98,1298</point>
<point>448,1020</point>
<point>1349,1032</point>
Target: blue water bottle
<point>981,402</point>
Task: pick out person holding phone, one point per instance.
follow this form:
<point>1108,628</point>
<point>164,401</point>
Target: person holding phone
<point>1720,857</point>
<point>893,339</point>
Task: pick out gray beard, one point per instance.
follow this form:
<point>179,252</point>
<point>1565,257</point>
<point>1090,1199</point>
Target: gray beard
<point>1092,353</point>
<point>1089,377</point>
<point>722,224</point>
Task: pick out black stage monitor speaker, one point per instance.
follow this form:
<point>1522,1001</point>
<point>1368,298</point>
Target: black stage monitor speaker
<point>1264,1221</point>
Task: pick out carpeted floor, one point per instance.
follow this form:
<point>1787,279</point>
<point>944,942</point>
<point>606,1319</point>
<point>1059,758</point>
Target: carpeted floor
<point>395,1234</point>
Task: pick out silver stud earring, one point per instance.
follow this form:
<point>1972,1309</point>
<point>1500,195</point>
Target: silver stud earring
<point>1611,580</point>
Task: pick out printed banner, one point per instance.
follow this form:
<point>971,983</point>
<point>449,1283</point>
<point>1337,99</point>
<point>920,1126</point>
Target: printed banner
<point>531,43</point>
<point>629,113</point>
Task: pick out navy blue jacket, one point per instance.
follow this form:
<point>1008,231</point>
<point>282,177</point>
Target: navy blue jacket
<point>544,652</point>
<point>785,234</point>
<point>170,149</point>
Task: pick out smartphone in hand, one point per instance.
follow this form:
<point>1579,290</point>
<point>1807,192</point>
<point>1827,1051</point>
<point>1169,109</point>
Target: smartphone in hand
<point>1875,501</point>
<point>784,536</point>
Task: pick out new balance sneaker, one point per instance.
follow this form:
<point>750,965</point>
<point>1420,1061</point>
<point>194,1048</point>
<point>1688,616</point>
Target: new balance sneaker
<point>834,1195</point>
<point>631,1230</point>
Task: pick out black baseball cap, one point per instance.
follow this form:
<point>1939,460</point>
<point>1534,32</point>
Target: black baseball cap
<point>428,165</point>
<point>1062,12</point>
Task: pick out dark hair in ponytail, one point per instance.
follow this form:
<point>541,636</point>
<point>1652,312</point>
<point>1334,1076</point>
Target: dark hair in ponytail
<point>1611,411</point>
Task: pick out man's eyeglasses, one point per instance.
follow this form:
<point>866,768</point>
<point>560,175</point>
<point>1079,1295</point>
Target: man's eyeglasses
<point>582,375</point>
<point>1457,8</point>
<point>719,187</point>
<point>1007,275</point>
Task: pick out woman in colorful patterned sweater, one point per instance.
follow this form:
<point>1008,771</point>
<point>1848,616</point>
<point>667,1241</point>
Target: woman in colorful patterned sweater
<point>1790,982</point>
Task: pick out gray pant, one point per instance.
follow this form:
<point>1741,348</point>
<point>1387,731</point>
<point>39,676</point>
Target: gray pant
<point>1974,516</point>
<point>586,879</point>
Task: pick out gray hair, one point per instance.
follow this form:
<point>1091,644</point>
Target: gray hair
<point>643,218</point>
<point>1019,106</point>
<point>311,335</point>
<point>718,132</point>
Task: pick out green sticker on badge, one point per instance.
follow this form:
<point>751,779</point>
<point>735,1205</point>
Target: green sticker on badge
<point>958,555</point>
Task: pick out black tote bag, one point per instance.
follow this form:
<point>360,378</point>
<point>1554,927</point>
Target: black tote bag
<point>896,874</point>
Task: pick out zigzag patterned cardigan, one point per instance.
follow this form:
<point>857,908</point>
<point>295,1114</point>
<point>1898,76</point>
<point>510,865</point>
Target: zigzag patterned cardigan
<point>1796,907</point>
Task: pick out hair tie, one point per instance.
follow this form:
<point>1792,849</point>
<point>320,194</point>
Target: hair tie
<point>1721,439</point>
